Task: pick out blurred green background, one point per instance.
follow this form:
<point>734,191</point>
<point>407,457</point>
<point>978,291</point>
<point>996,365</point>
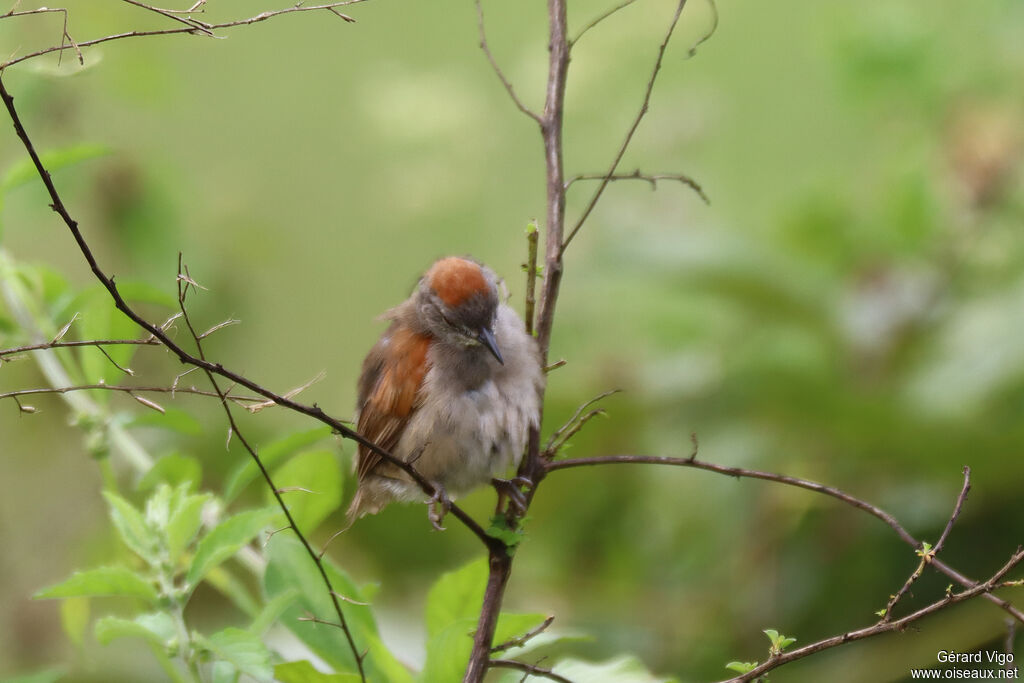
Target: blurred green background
<point>849,308</point>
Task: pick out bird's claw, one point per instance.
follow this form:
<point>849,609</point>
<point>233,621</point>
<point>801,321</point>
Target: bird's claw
<point>438,506</point>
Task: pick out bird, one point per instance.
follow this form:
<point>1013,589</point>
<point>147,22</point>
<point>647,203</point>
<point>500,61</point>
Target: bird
<point>451,387</point>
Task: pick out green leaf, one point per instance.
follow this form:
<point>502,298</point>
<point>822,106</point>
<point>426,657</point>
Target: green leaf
<point>184,524</point>
<point>242,649</point>
<point>103,581</point>
<point>271,455</point>
<point>779,641</point>
<point>157,628</point>
<point>74,618</point>
<point>172,419</point>
<point>448,652</point>
<point>317,471</point>
<point>132,527</point>
<point>456,595</point>
<point>288,567</point>
<point>303,672</point>
<point>158,506</point>
<point>622,669</point>
<point>226,539</point>
<point>741,667</point>
<point>24,171</point>
<point>224,672</point>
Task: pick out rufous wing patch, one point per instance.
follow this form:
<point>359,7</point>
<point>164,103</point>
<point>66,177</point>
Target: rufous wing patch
<point>392,376</point>
<point>456,279</point>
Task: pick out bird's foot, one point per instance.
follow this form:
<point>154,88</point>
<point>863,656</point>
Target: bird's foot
<point>438,506</point>
<point>512,490</point>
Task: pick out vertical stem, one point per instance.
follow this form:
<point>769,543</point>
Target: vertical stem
<point>500,567</point>
<point>551,129</point>
<point>499,560</point>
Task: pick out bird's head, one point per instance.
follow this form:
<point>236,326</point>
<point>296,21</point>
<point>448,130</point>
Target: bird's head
<point>457,300</point>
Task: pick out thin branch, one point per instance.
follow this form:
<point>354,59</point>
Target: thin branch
<point>71,344</point>
<point>740,472</point>
<point>317,560</point>
<point>956,510</point>
<point>219,326</point>
<point>187,21</point>
<point>928,554</point>
<point>529,669</point>
<point>549,450</point>
<point>65,36</point>
<point>632,129</point>
<point>598,20</point>
<point>125,389</point>
<point>881,627</point>
<point>497,69</point>
<point>523,639</point>
<point>263,16</point>
<point>651,178</point>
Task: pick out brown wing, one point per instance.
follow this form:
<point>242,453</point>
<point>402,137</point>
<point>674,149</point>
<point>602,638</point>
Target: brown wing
<point>389,390</point>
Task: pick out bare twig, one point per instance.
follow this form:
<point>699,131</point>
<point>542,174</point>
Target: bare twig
<point>632,129</point>
<point>219,326</point>
<point>594,22</point>
<point>554,366</point>
<point>127,390</point>
<point>197,26</point>
<point>65,36</point>
<point>928,554</point>
<point>529,669</point>
<point>883,626</point>
<point>497,69</point>
<point>574,424</point>
<point>740,472</point>
<point>523,639</point>
<point>72,344</point>
<point>257,407</point>
<point>651,178</point>
<point>263,16</point>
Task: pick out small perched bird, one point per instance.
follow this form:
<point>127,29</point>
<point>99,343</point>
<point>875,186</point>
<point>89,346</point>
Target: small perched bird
<point>452,387</point>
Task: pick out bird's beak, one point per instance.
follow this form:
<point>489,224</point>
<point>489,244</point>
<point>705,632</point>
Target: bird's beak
<point>486,337</point>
